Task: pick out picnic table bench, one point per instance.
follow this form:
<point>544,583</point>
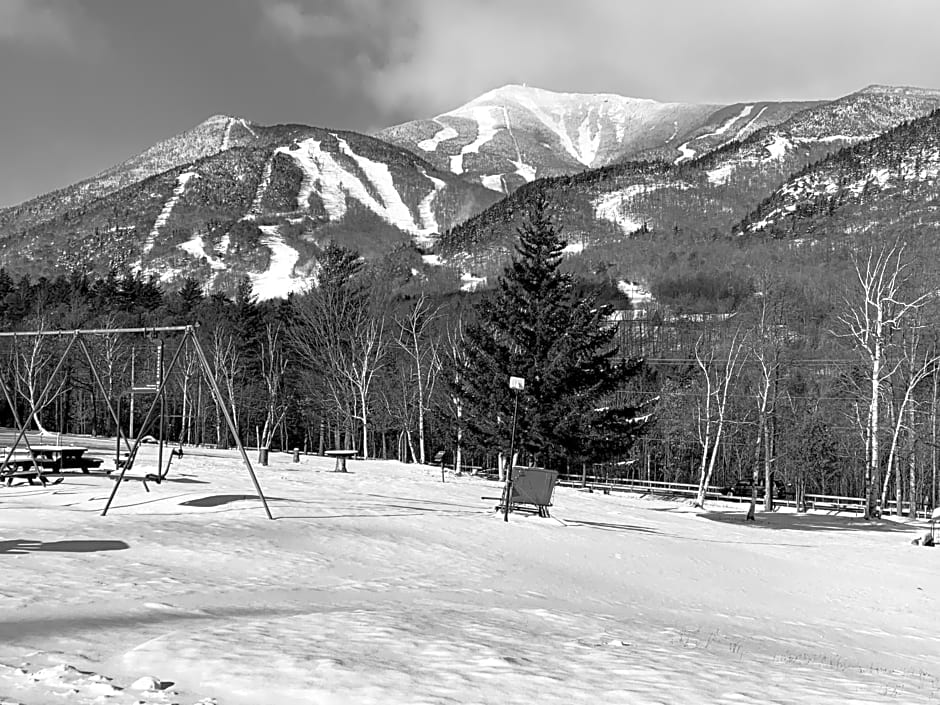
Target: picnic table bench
<point>341,456</point>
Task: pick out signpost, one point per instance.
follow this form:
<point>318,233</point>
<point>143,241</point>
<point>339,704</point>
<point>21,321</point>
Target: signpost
<point>516,384</point>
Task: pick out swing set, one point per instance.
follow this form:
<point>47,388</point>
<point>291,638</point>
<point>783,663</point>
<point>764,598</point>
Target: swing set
<point>39,459</point>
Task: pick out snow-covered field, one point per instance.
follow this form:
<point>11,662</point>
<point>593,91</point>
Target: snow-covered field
<point>385,585</point>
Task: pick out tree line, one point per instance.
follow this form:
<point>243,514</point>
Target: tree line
<point>819,367</point>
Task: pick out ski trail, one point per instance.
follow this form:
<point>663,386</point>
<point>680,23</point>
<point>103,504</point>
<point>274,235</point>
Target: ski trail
<point>248,127</point>
<point>486,130</point>
<point>556,126</point>
<point>675,131</point>
<point>753,120</point>
<point>278,280</point>
<point>587,144</point>
<point>255,210</point>
<point>227,137</point>
<point>429,224</point>
<point>432,143</point>
<point>689,153</point>
<point>524,170</point>
<point>164,216</point>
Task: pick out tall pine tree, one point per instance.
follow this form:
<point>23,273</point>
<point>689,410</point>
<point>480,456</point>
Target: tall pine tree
<point>535,326</point>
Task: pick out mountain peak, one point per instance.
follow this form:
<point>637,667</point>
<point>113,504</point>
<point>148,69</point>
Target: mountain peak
<point>516,92</point>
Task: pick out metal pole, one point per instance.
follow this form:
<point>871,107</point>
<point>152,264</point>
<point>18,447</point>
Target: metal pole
<point>95,331</point>
<point>512,445</point>
<point>162,407</point>
<point>213,385</point>
<point>130,423</point>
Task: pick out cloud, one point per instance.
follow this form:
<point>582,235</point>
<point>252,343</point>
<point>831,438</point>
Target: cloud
<point>420,57</point>
<point>36,22</point>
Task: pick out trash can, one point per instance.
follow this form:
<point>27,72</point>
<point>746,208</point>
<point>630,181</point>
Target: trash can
<point>533,486</point>
<point>263,456</point>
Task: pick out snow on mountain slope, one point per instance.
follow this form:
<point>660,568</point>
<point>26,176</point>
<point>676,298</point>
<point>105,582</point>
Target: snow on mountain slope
<point>262,208</point>
<point>373,187</point>
<point>445,133</point>
<point>689,153</point>
<point>171,202</point>
<point>515,134</point>
<point>892,177</point>
<point>706,196</point>
<point>278,279</point>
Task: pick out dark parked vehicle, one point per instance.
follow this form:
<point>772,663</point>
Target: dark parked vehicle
<point>742,488</point>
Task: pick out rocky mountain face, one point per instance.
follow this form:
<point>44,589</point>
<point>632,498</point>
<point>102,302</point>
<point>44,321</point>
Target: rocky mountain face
<point>230,199</point>
<point>704,196</point>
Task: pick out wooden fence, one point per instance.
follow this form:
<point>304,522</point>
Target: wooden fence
<point>830,503</point>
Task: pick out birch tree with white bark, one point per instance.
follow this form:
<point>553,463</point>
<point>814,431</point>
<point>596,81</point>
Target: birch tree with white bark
<point>415,340</point>
<point>879,305</point>
<point>718,375</point>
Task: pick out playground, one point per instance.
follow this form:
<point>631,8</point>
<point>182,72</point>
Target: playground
<point>385,584</point>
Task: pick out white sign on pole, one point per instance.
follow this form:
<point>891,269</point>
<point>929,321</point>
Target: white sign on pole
<point>516,383</point>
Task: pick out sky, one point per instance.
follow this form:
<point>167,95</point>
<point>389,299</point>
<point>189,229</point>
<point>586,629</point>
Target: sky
<point>85,84</point>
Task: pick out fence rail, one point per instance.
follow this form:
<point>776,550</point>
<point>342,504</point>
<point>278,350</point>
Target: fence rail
<point>832,503</point>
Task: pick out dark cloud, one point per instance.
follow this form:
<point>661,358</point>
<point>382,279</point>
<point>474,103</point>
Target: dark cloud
<point>419,57</point>
<point>87,83</point>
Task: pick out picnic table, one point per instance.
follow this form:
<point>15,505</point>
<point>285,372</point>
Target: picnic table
<point>35,461</point>
<point>341,456</point>
<point>64,458</point>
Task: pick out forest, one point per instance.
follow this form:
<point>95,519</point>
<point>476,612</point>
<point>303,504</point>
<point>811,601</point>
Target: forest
<point>812,362</point>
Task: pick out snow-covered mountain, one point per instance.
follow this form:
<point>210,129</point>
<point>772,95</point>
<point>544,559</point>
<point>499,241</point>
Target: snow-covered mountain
<point>703,197</point>
<point>515,134</point>
<point>233,198</point>
<point>230,199</point>
<point>887,182</point>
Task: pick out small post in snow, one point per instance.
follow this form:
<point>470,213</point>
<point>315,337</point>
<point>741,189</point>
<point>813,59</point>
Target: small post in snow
<point>515,384</point>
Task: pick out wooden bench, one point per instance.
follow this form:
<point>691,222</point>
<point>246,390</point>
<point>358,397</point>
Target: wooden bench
<point>341,456</point>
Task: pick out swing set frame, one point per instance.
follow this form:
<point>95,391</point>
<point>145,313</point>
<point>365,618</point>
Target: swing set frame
<point>77,339</point>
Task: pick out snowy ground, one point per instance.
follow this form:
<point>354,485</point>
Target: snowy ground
<point>385,585</point>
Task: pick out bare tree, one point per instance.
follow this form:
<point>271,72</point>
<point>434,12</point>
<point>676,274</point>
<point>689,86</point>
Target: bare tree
<point>712,412</point>
<point>188,367</point>
<point>766,348</point>
<point>273,369</point>
<point>915,367</point>
<point>32,363</point>
<point>342,338</point>
<point>456,359</point>
<point>414,339</point>
<point>876,310</point>
<point>227,368</point>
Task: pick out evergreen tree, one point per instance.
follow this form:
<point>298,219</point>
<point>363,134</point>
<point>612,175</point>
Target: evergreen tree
<point>535,326</point>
